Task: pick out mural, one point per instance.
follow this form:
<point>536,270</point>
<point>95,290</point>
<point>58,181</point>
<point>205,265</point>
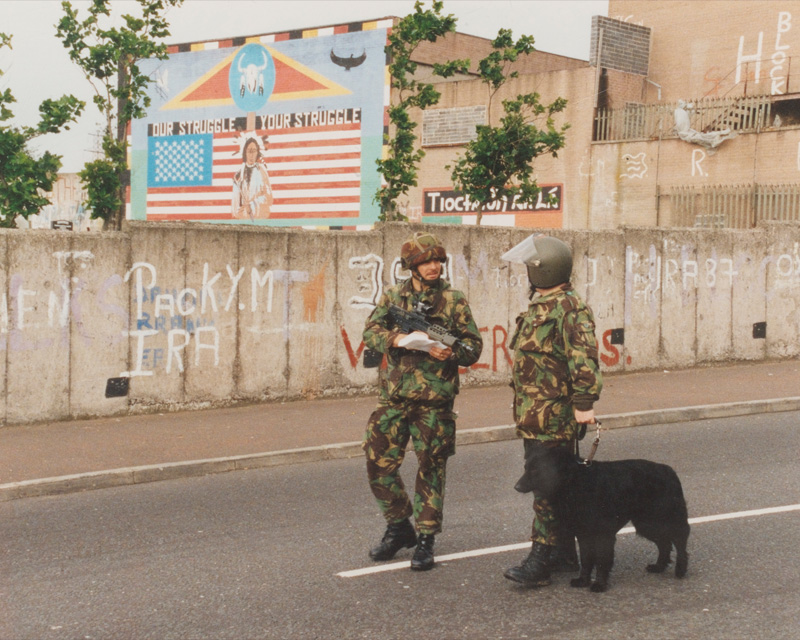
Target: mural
<point>280,130</point>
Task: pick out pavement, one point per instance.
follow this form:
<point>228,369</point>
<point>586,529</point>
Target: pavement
<point>78,455</point>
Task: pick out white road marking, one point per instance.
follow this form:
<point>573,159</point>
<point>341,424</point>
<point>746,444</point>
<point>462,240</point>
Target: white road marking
<point>394,566</point>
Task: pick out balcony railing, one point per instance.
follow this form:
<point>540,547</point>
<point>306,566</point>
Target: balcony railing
<point>729,206</point>
<point>651,121</point>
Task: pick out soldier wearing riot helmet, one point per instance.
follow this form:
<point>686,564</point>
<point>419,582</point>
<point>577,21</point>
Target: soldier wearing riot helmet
<point>417,392</point>
<point>556,379</point>
<point>549,262</point>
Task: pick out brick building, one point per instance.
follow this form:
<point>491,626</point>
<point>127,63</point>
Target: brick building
<point>67,209</point>
<point>687,114</point>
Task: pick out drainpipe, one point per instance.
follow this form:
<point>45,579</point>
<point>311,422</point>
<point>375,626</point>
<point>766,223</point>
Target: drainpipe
<point>597,71</point>
<point>658,86</point>
<point>598,68</point>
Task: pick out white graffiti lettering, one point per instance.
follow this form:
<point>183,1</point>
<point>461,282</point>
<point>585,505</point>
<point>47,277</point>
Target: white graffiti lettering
<point>754,57</point>
<point>698,155</point>
<point>234,286</point>
<point>139,335</point>
<point>777,73</point>
<point>174,350</point>
<point>636,165</point>
<point>137,269</point>
<point>207,290</point>
<point>369,276</point>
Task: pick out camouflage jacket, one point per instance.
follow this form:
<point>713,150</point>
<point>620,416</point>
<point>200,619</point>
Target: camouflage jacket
<point>555,365</point>
<point>415,375</point>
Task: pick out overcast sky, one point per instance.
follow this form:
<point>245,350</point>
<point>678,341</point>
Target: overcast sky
<point>38,67</point>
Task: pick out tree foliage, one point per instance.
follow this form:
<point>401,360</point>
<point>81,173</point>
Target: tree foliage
<point>399,168</point>
<point>497,164</point>
<point>23,177</point>
<point>108,57</point>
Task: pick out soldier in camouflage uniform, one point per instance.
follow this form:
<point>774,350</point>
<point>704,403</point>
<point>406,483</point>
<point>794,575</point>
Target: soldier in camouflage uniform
<point>417,391</point>
<point>556,381</point>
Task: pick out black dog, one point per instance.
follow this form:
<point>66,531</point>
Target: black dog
<point>595,501</point>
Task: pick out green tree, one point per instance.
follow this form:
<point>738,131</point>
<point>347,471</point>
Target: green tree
<point>497,164</point>
<point>399,168</point>
<point>23,177</point>
<point>108,57</point>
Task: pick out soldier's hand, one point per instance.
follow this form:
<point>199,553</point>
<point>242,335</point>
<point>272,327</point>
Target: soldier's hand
<point>441,354</point>
<point>584,416</point>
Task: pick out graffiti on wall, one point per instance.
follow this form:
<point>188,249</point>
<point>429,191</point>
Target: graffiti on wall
<point>280,130</point>
<point>698,156</point>
<point>635,165</point>
<point>776,60</point>
<point>649,275</point>
<point>369,279</point>
<point>168,327</point>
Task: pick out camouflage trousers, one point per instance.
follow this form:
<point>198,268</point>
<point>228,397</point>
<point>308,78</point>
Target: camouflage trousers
<point>432,432</point>
<point>545,527</point>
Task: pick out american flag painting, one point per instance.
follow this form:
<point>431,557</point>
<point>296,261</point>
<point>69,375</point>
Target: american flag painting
<point>314,172</point>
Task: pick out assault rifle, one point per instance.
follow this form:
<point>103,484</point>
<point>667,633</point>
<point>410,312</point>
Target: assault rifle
<point>410,321</point>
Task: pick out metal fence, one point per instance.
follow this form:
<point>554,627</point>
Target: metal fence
<point>772,75</point>
<point>649,121</point>
<point>729,207</point>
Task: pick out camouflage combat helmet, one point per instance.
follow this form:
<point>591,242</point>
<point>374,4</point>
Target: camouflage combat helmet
<point>420,248</point>
<point>548,259</point>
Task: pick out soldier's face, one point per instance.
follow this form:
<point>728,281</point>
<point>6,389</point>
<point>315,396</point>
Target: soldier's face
<point>430,270</point>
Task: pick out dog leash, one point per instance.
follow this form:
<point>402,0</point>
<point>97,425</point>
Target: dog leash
<point>588,460</point>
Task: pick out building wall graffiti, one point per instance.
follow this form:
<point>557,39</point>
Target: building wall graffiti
<point>265,323</point>
<point>759,55</point>
<point>635,165</point>
<point>749,51</point>
<point>67,205</point>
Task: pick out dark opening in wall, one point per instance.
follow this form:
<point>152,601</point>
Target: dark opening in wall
<point>786,113</point>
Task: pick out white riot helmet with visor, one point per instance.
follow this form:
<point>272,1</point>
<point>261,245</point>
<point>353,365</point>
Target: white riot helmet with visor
<point>548,260</point>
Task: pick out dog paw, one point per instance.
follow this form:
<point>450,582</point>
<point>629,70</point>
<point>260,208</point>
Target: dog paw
<point>656,568</point>
<point>598,587</point>
<point>681,568</point>
<point>580,582</point>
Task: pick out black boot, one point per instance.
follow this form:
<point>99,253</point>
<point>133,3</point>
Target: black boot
<point>564,557</point>
<point>534,571</point>
<point>422,559</point>
<point>398,535</point>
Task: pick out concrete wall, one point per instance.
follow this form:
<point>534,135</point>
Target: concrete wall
<point>195,316</point>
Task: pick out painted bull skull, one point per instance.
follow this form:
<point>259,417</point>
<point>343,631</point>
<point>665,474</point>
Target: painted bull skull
<point>252,76</point>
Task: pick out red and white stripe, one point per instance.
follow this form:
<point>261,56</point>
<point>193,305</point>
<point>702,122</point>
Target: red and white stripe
<point>315,172</point>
